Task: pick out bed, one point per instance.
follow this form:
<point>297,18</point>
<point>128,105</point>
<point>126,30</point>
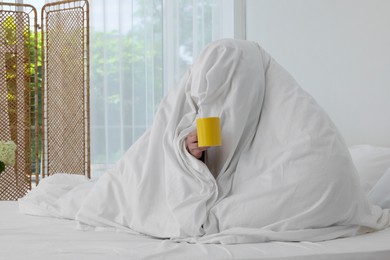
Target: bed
<point>33,237</point>
<point>285,178</point>
<point>54,238</point>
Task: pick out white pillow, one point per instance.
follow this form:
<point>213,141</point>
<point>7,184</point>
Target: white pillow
<point>371,163</point>
<point>380,193</point>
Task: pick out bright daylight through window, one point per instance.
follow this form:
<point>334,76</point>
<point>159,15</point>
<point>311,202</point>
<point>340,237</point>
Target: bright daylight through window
<point>138,50</point>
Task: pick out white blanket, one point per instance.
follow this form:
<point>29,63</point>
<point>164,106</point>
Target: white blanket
<point>284,171</point>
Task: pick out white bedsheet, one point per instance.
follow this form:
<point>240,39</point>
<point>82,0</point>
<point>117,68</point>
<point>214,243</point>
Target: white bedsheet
<point>285,173</point>
<point>30,237</point>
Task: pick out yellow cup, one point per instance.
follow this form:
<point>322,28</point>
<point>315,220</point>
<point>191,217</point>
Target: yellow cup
<point>209,131</point>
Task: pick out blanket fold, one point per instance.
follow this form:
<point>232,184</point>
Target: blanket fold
<point>284,171</point>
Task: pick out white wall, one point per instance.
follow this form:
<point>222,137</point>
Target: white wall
<point>339,51</point>
<point>232,14</point>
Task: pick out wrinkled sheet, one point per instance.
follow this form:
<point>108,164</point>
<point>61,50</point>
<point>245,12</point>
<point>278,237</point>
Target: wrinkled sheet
<point>45,238</point>
<point>284,171</point>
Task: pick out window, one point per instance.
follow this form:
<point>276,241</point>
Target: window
<point>139,49</point>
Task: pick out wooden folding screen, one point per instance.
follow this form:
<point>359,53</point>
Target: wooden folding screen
<point>65,44</point>
<point>54,137</point>
<point>17,87</point>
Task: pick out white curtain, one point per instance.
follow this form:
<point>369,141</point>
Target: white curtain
<point>139,49</point>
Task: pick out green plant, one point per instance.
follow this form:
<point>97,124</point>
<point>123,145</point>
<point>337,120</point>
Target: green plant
<point>7,154</point>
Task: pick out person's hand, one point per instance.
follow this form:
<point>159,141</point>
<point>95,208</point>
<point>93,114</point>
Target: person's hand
<point>192,145</point>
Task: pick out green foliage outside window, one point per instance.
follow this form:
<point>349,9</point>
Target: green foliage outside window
<point>126,82</point>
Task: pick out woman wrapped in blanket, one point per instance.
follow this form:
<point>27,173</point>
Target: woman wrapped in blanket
<point>283,172</point>
<point>284,149</point>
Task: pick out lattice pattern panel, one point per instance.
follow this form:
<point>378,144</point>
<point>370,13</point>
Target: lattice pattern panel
<point>17,86</point>
<point>66,88</point>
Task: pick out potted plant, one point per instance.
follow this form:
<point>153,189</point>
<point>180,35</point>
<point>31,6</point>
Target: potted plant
<point>7,154</point>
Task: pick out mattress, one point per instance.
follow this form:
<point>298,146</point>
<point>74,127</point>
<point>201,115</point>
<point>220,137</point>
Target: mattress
<point>31,237</point>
